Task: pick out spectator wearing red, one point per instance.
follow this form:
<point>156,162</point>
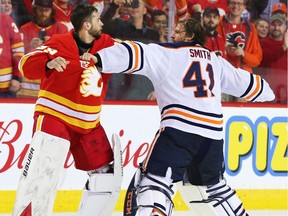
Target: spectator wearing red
<point>242,43</point>
<point>214,41</point>
<point>36,33</point>
<point>63,10</point>
<point>11,50</point>
<point>274,63</point>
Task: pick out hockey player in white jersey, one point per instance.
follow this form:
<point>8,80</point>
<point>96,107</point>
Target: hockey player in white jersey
<point>188,80</point>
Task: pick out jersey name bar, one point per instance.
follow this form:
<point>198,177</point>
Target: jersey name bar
<point>200,53</point>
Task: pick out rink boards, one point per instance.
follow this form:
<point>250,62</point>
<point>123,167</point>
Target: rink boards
<point>255,152</point>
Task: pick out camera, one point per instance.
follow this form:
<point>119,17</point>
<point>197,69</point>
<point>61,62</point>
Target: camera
<point>42,34</point>
<point>134,4</point>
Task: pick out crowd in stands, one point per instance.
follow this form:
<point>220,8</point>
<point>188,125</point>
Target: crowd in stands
<point>250,34</point>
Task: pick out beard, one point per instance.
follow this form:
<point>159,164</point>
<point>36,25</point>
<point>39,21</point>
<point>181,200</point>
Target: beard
<point>43,21</point>
<point>209,27</point>
<point>95,33</point>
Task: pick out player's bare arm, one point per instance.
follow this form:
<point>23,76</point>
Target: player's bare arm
<point>58,64</point>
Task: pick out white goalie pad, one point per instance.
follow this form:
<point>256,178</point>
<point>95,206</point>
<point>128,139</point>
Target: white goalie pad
<point>104,188</point>
<point>43,165</point>
<point>190,193</point>
<point>214,200</point>
<point>154,195</point>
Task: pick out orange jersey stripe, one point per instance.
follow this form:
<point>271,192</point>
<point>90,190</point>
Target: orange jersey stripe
<point>136,55</point>
<point>193,117</point>
<point>258,81</point>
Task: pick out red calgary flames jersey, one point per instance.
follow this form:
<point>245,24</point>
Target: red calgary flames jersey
<point>75,95</point>
<point>11,50</point>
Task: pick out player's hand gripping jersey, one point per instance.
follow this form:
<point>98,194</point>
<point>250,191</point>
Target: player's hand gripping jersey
<point>74,96</point>
<point>193,78</point>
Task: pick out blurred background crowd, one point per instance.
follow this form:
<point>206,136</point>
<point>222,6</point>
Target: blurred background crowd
<point>250,34</point>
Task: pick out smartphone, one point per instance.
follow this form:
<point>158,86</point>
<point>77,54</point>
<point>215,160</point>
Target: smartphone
<point>42,34</point>
<point>134,4</point>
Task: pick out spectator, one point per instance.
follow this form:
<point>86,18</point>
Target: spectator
<point>267,12</point>
<point>242,43</point>
<point>214,41</point>
<point>63,10</point>
<point>11,50</point>
<point>274,63</point>
<point>16,10</point>
<point>6,7</point>
<point>35,33</point>
<point>197,6</point>
<point>136,28</point>
<point>123,86</point>
<point>262,28</point>
<point>159,21</point>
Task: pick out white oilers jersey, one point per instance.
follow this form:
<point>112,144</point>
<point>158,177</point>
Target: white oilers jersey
<point>188,81</point>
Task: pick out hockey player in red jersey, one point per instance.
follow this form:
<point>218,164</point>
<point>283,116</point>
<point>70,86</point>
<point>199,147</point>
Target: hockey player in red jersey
<point>67,117</point>
<point>188,81</point>
<point>11,50</point>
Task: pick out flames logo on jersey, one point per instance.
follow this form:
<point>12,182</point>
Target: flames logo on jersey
<point>237,39</point>
<point>92,83</point>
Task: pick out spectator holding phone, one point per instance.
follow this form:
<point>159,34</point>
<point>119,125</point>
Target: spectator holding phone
<point>36,33</point>
<point>242,42</point>
<point>159,21</point>
<point>123,86</point>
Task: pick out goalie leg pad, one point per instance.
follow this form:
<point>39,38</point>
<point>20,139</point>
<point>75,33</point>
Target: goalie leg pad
<point>225,200</point>
<point>40,175</point>
<point>154,195</point>
<point>103,189</point>
<point>216,200</point>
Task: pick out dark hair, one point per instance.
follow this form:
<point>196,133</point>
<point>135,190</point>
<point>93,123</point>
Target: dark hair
<point>158,13</point>
<point>194,27</point>
<point>81,12</point>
